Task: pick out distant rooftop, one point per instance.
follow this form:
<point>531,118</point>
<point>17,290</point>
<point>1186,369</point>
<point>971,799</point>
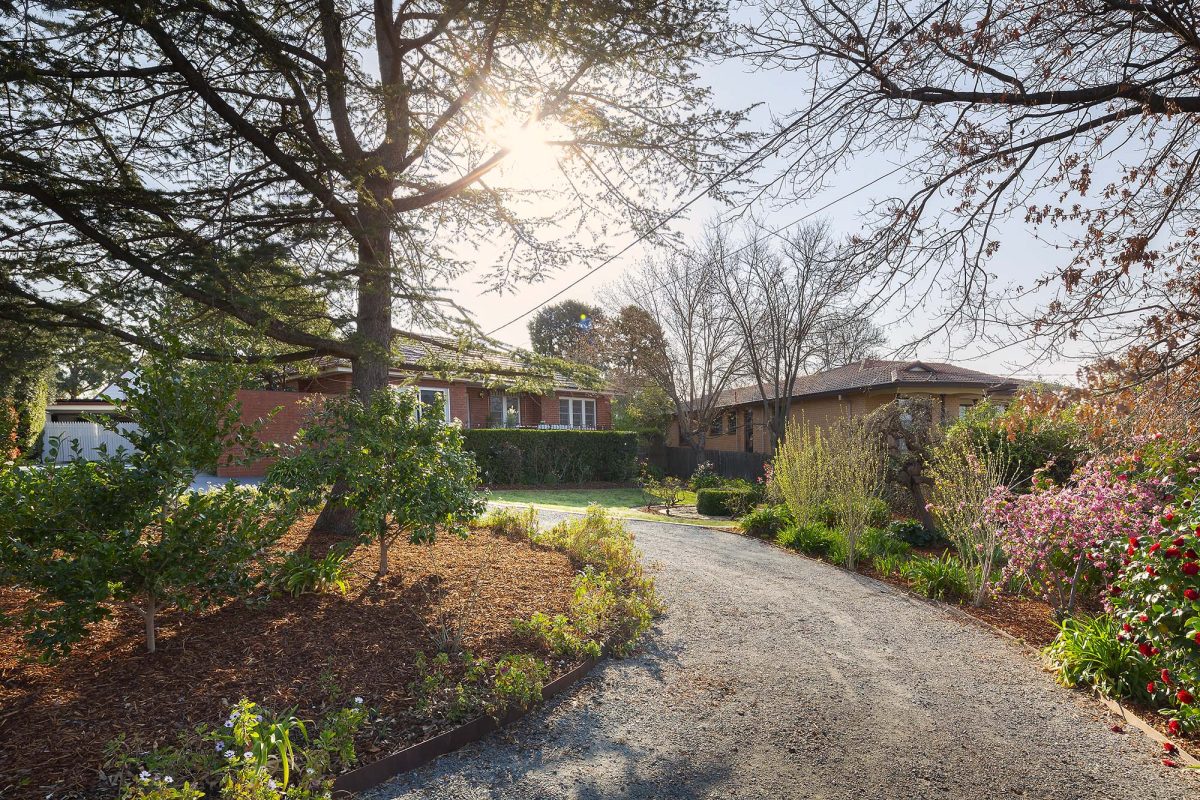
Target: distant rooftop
<point>879,374</point>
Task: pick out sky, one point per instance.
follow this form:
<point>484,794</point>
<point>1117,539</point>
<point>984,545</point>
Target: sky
<point>1021,258</point>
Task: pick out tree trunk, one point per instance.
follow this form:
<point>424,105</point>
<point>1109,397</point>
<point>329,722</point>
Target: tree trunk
<point>383,554</point>
<point>373,332</point>
<point>148,616</point>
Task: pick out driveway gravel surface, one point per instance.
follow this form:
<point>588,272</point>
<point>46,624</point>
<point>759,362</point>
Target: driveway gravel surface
<point>773,676</point>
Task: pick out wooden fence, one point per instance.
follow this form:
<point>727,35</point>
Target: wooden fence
<point>90,437</point>
<point>682,461</point>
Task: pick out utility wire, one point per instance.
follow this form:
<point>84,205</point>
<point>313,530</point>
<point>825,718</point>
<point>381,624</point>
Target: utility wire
<point>769,144</point>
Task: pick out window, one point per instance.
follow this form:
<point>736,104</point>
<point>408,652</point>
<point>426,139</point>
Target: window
<point>731,423</point>
<point>504,410</point>
<point>964,408</point>
<point>714,427</point>
<point>577,412</point>
<point>431,398</point>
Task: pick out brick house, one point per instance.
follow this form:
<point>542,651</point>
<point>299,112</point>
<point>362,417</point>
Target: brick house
<point>855,389</point>
<point>473,402</point>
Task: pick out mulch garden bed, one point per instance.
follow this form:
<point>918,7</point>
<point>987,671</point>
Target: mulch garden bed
<point>314,653</point>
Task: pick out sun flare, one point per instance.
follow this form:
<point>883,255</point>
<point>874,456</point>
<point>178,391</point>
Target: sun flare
<point>531,146</point>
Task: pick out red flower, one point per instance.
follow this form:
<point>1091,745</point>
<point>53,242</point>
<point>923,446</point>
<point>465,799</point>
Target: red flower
<point>1129,551</point>
<point>1115,590</point>
<point>1169,517</point>
<point>1168,747</point>
<point>1173,727</point>
<point>1144,649</point>
<point>1134,541</point>
<point>1151,687</point>
<point>1172,552</point>
<point>1179,541</point>
<point>1191,594</point>
<point>1150,572</point>
<point>1154,547</point>
<point>1125,626</point>
<point>1166,677</point>
<point>1143,618</point>
<point>1189,568</point>
<point>1184,697</point>
<point>1168,763</point>
<point>1197,637</point>
<point>1190,553</point>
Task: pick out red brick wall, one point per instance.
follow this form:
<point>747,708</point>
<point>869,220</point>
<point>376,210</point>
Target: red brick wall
<point>294,408</point>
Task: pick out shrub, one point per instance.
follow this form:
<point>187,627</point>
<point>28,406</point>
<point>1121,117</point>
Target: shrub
<point>1093,652</point>
<point>614,601</point>
<point>516,523</point>
<point>466,687</point>
<point>84,536</point>
<point>836,473</point>
<point>914,533</point>
<point>721,502</point>
<point>303,573</point>
<point>553,456</point>
<point>1035,440</point>
<point>877,542</point>
<point>1156,595</point>
<point>398,466</point>
<point>1057,537</point>
<point>942,578</point>
<point>704,477</point>
<point>765,522</point>
<point>877,513</point>
<point>813,539</point>
<point>668,491</point>
<point>966,478</point>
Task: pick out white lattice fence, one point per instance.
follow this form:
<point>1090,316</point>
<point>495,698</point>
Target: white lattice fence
<point>89,435</point>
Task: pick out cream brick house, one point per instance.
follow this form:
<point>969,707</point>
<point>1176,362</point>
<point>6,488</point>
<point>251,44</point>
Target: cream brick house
<point>858,388</point>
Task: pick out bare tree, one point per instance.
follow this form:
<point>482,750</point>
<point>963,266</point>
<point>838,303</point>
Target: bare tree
<point>1080,115</point>
<point>786,304</point>
<point>845,338</point>
<point>694,350</point>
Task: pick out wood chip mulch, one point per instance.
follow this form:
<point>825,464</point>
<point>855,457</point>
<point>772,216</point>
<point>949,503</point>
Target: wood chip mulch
<point>313,652</point>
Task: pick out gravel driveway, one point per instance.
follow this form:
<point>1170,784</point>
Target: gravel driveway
<point>775,676</point>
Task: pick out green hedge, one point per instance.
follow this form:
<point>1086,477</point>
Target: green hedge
<point>536,457</point>
<point>723,502</point>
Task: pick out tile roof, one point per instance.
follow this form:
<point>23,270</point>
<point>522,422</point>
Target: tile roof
<point>414,351</point>
<point>875,374</point>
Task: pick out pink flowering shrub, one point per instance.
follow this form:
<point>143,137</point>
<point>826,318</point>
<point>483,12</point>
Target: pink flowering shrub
<point>1059,537</point>
<point>1156,594</point>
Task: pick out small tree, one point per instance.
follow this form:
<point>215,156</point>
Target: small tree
<point>404,469</point>
<point>800,470</point>
<point>854,472</point>
<point>86,536</point>
<point>966,475</point>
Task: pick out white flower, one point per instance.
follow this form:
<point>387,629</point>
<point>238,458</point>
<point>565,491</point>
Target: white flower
<point>258,717</point>
<point>271,783</point>
<point>358,701</point>
<point>228,723</point>
<point>309,771</point>
<point>248,754</point>
<point>168,779</point>
<point>220,746</point>
<point>144,775</point>
<point>229,754</point>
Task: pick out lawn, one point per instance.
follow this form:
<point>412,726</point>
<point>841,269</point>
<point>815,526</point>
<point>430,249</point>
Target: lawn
<point>627,502</point>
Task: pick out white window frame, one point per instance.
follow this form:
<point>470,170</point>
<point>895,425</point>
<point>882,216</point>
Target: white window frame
<point>504,404</point>
<point>444,391</point>
<point>570,421</point>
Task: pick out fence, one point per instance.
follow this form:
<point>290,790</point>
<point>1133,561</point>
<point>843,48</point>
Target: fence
<point>89,436</point>
<point>682,461</point>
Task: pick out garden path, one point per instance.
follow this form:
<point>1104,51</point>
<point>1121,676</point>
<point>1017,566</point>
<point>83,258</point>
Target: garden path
<point>773,676</point>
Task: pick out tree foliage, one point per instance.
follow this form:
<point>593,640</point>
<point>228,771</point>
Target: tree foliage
<point>227,157</point>
<point>562,330</point>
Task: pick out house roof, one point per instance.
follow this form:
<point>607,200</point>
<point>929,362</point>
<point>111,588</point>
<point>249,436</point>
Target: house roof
<point>414,352</point>
<point>878,374</point>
